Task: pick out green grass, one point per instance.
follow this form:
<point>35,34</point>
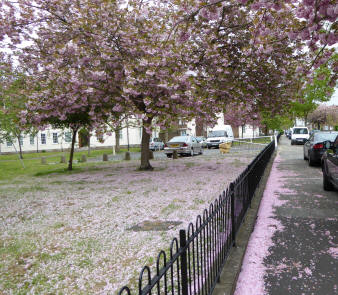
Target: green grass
<point>255,140</point>
<point>58,154</point>
<point>10,169</point>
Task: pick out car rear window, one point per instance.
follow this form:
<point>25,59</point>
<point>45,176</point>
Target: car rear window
<point>179,139</point>
<point>325,136</point>
<point>300,131</point>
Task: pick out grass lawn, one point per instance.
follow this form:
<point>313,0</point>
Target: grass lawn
<point>11,167</point>
<point>74,232</point>
<point>262,140</point>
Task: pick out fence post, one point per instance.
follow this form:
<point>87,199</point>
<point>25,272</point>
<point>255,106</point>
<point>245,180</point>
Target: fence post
<point>184,265</point>
<point>233,227</point>
<point>276,143</point>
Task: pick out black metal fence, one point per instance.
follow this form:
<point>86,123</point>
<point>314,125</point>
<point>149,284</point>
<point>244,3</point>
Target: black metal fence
<point>195,260</point>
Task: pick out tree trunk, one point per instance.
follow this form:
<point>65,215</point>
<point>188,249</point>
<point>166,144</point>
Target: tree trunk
<point>70,163</point>
<point>37,142</point>
<point>88,144</point>
<point>117,140</point>
<point>20,148</point>
<point>145,155</point>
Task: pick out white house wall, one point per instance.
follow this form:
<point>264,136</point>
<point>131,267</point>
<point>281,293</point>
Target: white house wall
<point>249,131</point>
<point>135,135</point>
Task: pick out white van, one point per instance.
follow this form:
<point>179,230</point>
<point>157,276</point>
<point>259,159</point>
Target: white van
<point>299,135</point>
<point>218,136</point>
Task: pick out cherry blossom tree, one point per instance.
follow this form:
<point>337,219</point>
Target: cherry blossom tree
<point>324,114</point>
<point>102,59</point>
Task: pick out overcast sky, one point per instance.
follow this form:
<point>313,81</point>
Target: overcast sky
<point>334,98</point>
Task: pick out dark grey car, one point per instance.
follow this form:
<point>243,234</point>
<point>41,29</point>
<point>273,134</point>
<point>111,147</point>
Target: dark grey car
<point>314,147</point>
<point>330,165</point>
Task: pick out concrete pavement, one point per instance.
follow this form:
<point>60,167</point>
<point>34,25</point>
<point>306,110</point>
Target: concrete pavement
<point>304,256</point>
<point>294,246</point>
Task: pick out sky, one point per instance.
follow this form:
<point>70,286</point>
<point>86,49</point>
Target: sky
<point>334,98</point>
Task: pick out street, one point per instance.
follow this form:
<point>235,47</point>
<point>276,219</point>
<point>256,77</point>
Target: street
<point>293,248</point>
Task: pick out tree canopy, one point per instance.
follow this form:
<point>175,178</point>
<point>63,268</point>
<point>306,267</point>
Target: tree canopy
<point>92,62</point>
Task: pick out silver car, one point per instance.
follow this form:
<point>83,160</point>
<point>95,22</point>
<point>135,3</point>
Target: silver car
<point>202,140</point>
<point>184,145</point>
<point>156,144</point>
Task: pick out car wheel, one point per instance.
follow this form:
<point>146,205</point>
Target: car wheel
<point>292,142</point>
<point>327,185</point>
<point>169,155</point>
<point>209,147</point>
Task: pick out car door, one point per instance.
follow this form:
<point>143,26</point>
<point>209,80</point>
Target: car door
<point>194,144</point>
<point>307,146</point>
<point>332,163</point>
<point>198,145</point>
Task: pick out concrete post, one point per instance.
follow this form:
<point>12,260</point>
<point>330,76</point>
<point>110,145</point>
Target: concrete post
<point>63,159</point>
<point>127,156</point>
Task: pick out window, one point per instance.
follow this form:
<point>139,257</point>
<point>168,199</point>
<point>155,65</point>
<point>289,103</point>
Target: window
<point>120,134</point>
<point>9,143</point>
<point>68,136</point>
<point>21,140</point>
<point>55,138</point>
<point>31,139</point>
<point>43,138</point>
<point>300,131</point>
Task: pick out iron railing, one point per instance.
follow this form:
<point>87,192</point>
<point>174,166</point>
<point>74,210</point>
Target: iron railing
<point>194,262</point>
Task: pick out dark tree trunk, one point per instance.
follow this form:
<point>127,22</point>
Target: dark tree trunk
<point>88,144</point>
<point>70,163</point>
<point>37,142</point>
<point>117,140</point>
<point>20,148</point>
<point>145,154</point>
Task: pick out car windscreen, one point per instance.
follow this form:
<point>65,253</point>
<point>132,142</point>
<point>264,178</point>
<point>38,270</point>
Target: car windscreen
<point>179,139</point>
<point>300,131</point>
<point>218,133</point>
<point>325,136</point>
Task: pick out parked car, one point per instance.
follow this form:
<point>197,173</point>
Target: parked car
<point>330,165</point>
<point>216,137</point>
<point>184,145</point>
<point>288,134</point>
<point>156,144</point>
<point>314,148</point>
<point>299,135</point>
<point>202,140</point>
<point>314,131</point>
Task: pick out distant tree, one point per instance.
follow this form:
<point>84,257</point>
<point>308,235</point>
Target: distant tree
<point>324,115</point>
<point>13,96</point>
<point>319,90</point>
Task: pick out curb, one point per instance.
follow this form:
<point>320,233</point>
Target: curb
<point>232,267</point>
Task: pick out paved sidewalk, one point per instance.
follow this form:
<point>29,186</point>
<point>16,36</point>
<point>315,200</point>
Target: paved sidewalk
<point>294,246</point>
